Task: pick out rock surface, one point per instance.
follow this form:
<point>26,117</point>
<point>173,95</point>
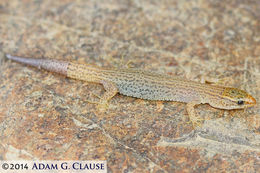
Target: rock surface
<point>46,116</point>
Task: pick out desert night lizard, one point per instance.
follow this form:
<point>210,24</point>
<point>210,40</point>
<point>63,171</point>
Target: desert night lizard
<point>147,85</point>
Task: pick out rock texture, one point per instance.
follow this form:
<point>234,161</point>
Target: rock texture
<point>46,116</point>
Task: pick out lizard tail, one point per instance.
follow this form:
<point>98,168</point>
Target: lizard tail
<point>56,66</point>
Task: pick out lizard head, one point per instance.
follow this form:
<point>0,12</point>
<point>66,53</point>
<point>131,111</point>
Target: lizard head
<point>233,98</point>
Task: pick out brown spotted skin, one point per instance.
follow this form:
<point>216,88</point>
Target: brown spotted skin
<point>147,85</point>
<point>153,86</point>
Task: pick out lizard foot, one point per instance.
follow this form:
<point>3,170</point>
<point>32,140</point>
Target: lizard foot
<point>195,121</point>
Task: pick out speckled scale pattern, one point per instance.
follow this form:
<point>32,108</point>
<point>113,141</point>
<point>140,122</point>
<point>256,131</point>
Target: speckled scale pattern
<point>147,85</point>
<point>83,72</point>
<point>153,86</point>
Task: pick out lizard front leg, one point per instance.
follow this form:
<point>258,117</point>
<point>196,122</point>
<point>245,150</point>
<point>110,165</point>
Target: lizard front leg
<point>195,120</point>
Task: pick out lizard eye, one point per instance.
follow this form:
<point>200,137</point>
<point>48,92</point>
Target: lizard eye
<point>240,102</point>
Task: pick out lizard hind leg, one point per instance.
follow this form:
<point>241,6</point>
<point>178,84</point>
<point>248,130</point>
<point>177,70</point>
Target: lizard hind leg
<point>111,91</point>
<point>121,63</point>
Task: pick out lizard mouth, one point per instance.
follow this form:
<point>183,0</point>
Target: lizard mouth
<point>250,101</point>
